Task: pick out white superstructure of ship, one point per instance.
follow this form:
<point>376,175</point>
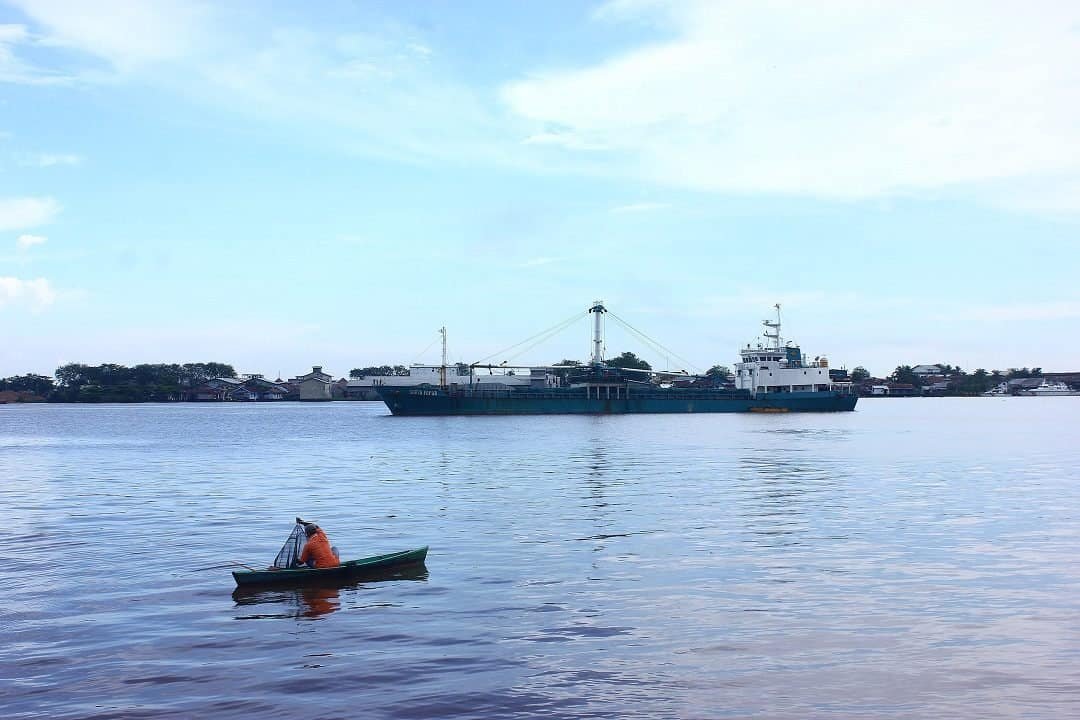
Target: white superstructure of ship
<point>778,366</point>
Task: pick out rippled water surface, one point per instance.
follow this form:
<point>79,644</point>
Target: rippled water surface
<point>917,558</point>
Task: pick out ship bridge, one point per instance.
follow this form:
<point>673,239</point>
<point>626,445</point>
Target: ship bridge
<point>778,366</point>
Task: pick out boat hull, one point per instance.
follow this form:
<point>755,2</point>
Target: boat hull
<point>436,401</point>
<point>1051,393</point>
<point>348,570</point>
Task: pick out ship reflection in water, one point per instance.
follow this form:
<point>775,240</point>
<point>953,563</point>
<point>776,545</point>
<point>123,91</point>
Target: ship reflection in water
<point>311,601</point>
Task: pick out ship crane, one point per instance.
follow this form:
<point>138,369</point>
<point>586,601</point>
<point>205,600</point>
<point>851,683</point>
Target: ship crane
<point>598,310</point>
<point>775,328</point>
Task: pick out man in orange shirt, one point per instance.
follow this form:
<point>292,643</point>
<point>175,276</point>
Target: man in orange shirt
<point>317,552</point>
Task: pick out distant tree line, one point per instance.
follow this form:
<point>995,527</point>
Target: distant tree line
<point>959,382</point>
<point>76,382</point>
<point>40,385</point>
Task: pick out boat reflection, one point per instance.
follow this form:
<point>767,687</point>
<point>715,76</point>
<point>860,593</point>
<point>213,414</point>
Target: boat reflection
<point>311,601</point>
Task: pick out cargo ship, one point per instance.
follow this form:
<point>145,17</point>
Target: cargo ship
<point>771,377</point>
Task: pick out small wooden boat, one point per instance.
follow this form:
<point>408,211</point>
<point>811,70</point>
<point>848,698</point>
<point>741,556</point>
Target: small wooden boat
<point>348,570</point>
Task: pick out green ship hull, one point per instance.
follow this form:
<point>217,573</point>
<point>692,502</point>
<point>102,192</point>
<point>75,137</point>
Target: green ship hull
<point>433,400</point>
<point>348,570</point>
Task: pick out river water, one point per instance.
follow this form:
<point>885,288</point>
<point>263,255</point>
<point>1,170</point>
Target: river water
<point>917,558</point>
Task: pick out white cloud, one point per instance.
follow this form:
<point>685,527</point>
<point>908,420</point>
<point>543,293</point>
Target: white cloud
<point>37,294</point>
<point>839,99</point>
<point>538,261</point>
<point>12,69</point>
<point>639,207</point>
<point>28,241</point>
<point>1046,194</point>
<point>420,49</point>
<point>51,159</point>
<point>125,34</point>
<point>17,213</point>
<point>379,91</point>
<point>568,140</point>
<point>11,33</point>
<point>373,93</point>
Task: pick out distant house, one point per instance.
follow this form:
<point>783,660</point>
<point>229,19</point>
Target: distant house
<point>19,396</point>
<point>315,385</point>
<point>893,390</point>
<point>316,372</point>
<point>224,383</point>
<point>936,388</point>
<point>252,388</point>
<point>242,394</point>
<point>925,370</point>
<point>265,390</point>
<point>204,393</point>
<point>292,390</point>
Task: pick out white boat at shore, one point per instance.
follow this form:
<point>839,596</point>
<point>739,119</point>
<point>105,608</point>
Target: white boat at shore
<point>1047,389</point>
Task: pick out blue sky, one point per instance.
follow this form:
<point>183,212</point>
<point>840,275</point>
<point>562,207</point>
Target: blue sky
<point>277,187</point>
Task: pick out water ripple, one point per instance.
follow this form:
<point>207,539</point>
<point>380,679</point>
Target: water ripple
<point>912,559</point>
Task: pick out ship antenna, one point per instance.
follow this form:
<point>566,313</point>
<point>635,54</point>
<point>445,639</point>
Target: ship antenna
<point>442,368</point>
<point>598,331</point>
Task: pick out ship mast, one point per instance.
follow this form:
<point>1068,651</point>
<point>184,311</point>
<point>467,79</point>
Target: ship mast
<point>598,332</point>
<point>775,327</point>
<point>442,368</point>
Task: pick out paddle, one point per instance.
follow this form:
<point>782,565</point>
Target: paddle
<point>288,552</point>
<point>230,564</point>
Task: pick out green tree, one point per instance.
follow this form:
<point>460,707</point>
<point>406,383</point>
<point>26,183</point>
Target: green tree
<point>859,374</point>
<point>37,384</point>
<point>629,360</point>
<point>371,370</point>
<point>194,374</point>
<point>904,374</point>
<point>974,384</point>
<point>980,380</point>
<point>145,382</point>
<point>718,373</point>
<point>564,368</point>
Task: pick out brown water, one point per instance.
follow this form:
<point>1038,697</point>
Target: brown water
<point>914,559</point>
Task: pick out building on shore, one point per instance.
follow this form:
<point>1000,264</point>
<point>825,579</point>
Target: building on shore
<point>252,387</point>
<point>19,396</point>
<point>315,386</point>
